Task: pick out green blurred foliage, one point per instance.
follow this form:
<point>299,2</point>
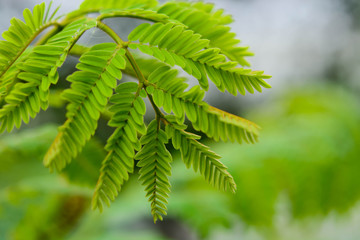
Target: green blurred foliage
<point>307,157</point>
<point>308,153</point>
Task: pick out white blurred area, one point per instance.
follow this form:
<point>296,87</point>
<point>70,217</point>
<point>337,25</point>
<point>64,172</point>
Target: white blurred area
<point>292,38</point>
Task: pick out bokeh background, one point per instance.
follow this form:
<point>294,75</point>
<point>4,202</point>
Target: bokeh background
<point>301,181</point>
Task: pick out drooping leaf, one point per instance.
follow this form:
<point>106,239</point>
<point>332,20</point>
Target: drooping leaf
<point>91,87</point>
<point>128,108</point>
<point>154,162</point>
<point>36,74</point>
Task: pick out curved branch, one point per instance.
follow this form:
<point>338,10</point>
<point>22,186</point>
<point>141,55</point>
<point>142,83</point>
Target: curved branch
<point>105,28</point>
<point>138,14</point>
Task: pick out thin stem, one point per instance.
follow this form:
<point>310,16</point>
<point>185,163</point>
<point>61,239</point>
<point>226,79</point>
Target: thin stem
<point>77,13</point>
<point>135,66</point>
<point>127,14</point>
<point>159,115</point>
<point>105,28</point>
<point>78,50</point>
<point>48,35</point>
<point>114,14</point>
<point>128,54</point>
<point>58,27</point>
<point>123,44</point>
<point>131,59</point>
<point>142,80</point>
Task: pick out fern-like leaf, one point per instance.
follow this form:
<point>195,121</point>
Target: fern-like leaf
<point>201,18</point>
<point>217,14</point>
<point>168,91</point>
<point>21,34</point>
<point>90,89</point>
<point>154,162</point>
<point>128,110</point>
<point>228,126</point>
<point>199,156</point>
<point>37,72</point>
<point>175,45</point>
<point>9,80</point>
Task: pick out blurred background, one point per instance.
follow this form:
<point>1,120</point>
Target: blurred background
<point>301,181</point>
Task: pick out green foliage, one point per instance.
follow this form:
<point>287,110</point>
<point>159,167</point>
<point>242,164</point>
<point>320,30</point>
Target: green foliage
<point>323,150</point>
<point>306,163</point>
<point>21,34</point>
<point>210,24</point>
<point>36,73</point>
<point>193,36</point>
<point>200,157</point>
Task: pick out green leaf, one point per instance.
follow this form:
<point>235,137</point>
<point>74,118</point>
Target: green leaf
<point>88,97</point>
<point>122,143</point>
<point>154,162</point>
<point>200,157</point>
<point>195,58</point>
<point>37,73</point>
<point>19,36</point>
<point>210,25</point>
